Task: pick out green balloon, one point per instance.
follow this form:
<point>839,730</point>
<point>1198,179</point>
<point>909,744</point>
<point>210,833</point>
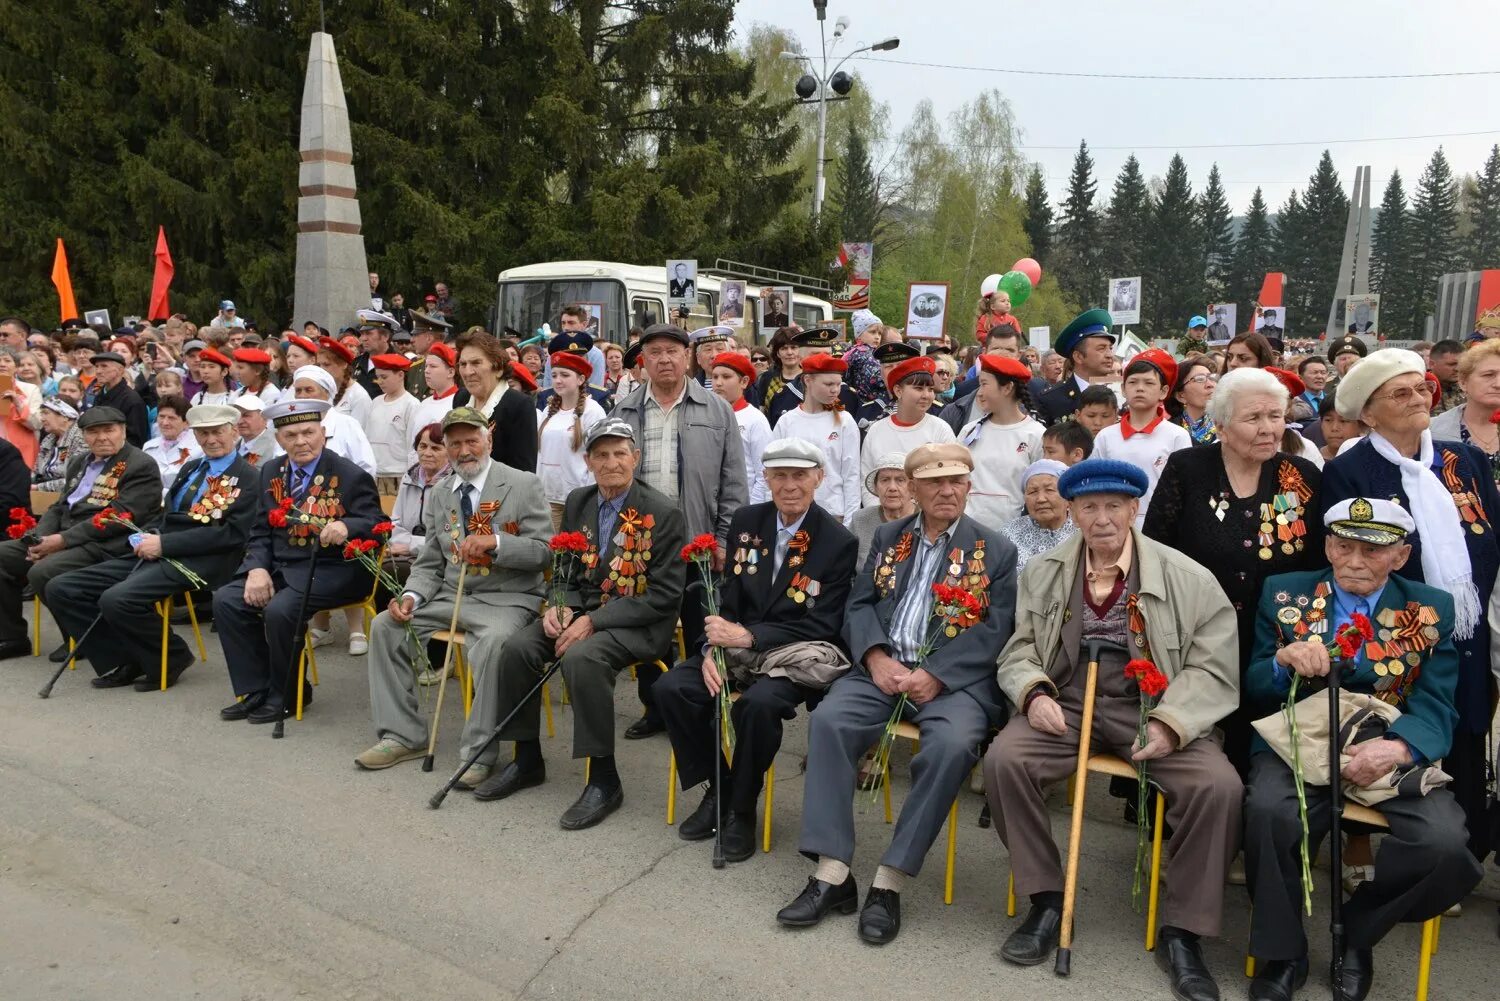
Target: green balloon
<point>1018,286</point>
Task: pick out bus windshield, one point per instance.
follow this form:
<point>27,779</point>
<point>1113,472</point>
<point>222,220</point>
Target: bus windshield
<point>527,304</point>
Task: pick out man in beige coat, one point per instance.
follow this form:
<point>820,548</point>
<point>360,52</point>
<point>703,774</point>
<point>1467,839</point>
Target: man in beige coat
<point>1111,584</point>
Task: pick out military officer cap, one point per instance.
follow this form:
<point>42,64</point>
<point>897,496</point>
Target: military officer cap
<point>426,323</point>
<point>1378,522</point>
<point>1346,344</point>
<point>1089,323</point>
<point>578,342</point>
<point>374,319</point>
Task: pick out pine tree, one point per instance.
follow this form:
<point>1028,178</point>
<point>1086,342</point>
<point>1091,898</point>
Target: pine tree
<point>1173,286</point>
<point>1127,224</point>
<point>1253,254</point>
<point>1218,241</point>
<point>1434,221</point>
<point>1325,210</point>
<point>861,209</point>
<point>1289,256</point>
<point>1080,270</point>
<point>1484,216</point>
<point>1390,263</point>
<point>1038,216</point>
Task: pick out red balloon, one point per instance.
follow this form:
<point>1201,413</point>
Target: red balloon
<point>1030,268</point>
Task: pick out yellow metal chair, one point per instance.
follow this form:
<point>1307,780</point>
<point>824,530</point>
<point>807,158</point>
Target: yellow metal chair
<point>307,664</point>
<point>1431,928</point>
<point>165,605</point>
<point>910,731</point>
<point>464,675</point>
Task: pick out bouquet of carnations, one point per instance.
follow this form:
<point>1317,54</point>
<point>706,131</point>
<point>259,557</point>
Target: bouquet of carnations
<point>700,553</point>
<point>119,516</point>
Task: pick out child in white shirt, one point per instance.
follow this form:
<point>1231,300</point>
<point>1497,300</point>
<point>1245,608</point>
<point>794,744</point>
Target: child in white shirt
<point>820,420</point>
<point>1145,437</point>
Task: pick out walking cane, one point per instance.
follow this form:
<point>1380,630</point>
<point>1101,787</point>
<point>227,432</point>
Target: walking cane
<point>1064,963</point>
<point>437,712</point>
<point>719,779</point>
<point>279,730</point>
<point>1336,845</point>
<point>438,797</point>
<point>46,690</point>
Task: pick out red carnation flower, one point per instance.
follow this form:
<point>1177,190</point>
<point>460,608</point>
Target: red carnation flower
<point>383,528</point>
<point>1361,624</point>
<point>701,548</point>
<point>103,518</point>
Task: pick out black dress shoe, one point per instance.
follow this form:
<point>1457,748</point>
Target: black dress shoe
<point>739,836</point>
<point>880,919</point>
<point>14,648</point>
<point>152,682</point>
<point>1278,979</point>
<point>239,710</point>
<point>1358,974</point>
<point>816,900</point>
<point>644,727</point>
<point>1035,940</point>
<point>1179,954</point>
<point>700,825</point>
<point>508,780</point>
<point>117,677</point>
<point>60,654</point>
<point>592,805</point>
<point>268,711</point>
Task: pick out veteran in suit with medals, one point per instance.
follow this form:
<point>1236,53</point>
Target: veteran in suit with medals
<point>204,528</point>
<point>949,689</point>
<point>112,474</point>
<point>495,519</point>
<point>1410,662</point>
<point>619,607</point>
<point>308,497</point>
<point>780,616</point>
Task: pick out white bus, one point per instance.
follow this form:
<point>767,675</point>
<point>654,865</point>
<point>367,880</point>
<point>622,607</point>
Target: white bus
<point>622,296</point>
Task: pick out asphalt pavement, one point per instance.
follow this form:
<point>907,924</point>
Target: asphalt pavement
<point>149,850</point>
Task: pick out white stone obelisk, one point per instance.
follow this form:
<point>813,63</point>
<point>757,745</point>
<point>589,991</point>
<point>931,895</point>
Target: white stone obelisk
<point>333,280</point>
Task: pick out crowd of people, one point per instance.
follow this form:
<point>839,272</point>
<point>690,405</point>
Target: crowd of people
<point>989,543</point>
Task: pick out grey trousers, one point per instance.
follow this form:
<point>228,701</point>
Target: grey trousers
<point>846,724</point>
<point>589,667</point>
<point>1423,866</point>
<point>393,697</point>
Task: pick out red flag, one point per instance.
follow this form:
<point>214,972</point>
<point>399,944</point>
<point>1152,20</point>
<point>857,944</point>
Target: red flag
<point>1271,290</point>
<point>162,280</point>
<point>64,285</point>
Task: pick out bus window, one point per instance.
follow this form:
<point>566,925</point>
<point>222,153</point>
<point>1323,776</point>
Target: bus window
<point>528,303</point>
<point>807,317</point>
<point>645,312</point>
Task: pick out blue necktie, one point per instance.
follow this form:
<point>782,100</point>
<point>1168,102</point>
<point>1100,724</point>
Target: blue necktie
<point>299,482</point>
<point>188,495</point>
<point>466,504</point>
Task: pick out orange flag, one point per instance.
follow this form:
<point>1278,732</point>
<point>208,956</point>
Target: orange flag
<point>163,278</point>
<point>63,283</point>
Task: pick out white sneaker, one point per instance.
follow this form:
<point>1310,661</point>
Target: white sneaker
<point>319,636</point>
<point>386,753</point>
<point>1236,875</point>
<point>427,676</point>
<point>358,645</point>
<point>1357,874</point>
<point>1456,911</point>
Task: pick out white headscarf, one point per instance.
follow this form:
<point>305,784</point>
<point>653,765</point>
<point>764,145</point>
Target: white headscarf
<point>313,373</point>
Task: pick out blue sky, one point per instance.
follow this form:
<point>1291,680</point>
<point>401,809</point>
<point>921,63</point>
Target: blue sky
<point>1228,41</point>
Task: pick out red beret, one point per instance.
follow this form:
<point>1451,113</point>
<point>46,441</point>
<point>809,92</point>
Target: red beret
<point>736,361</point>
<point>910,367</point>
<point>823,363</point>
<point>253,356</point>
<point>575,362</point>
<point>392,362</point>
<point>334,347</point>
<point>1162,362</point>
<point>523,375</point>
<point>209,354</point>
<point>445,352</point>
<point>1004,367</point>
<point>1293,384</point>
<point>1434,385</point>
<point>303,343</point>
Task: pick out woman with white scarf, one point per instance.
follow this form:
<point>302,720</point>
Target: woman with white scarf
<point>1448,489</point>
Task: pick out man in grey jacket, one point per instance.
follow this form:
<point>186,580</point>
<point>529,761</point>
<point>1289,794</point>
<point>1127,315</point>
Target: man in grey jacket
<point>691,452</point>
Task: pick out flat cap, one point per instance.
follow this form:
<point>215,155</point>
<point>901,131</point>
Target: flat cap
<point>792,453</point>
<point>211,415</point>
<point>94,416</point>
<point>656,330</point>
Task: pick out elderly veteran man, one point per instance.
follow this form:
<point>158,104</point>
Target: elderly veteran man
<point>782,607</point>
<point>204,527</point>
<point>619,607</point>
<point>1411,663</point>
<point>112,388</point>
<point>950,693</point>
<point>495,519</point>
<point>111,474</point>
<point>690,451</point>
<point>1111,583</point>
<point>309,497</point>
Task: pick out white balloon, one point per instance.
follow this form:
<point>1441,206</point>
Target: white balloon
<point>989,285</point>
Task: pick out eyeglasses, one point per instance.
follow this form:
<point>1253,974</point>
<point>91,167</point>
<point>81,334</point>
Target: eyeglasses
<point>1200,380</point>
<point>1405,395</point>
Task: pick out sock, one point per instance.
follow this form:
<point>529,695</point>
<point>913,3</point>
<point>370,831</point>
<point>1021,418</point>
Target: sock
<point>602,771</point>
<point>529,754</point>
<point>1047,898</point>
<point>832,871</point>
<point>888,878</point>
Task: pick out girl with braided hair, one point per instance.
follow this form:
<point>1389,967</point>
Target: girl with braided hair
<point>1004,442</point>
<point>570,412</point>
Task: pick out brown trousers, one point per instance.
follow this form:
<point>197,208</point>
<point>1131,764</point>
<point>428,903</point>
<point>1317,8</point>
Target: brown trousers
<point>1203,792</point>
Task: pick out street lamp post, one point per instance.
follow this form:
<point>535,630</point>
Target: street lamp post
<point>811,84</point>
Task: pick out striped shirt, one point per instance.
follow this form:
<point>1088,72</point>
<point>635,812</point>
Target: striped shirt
<point>659,442</point>
<point>909,625</point>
